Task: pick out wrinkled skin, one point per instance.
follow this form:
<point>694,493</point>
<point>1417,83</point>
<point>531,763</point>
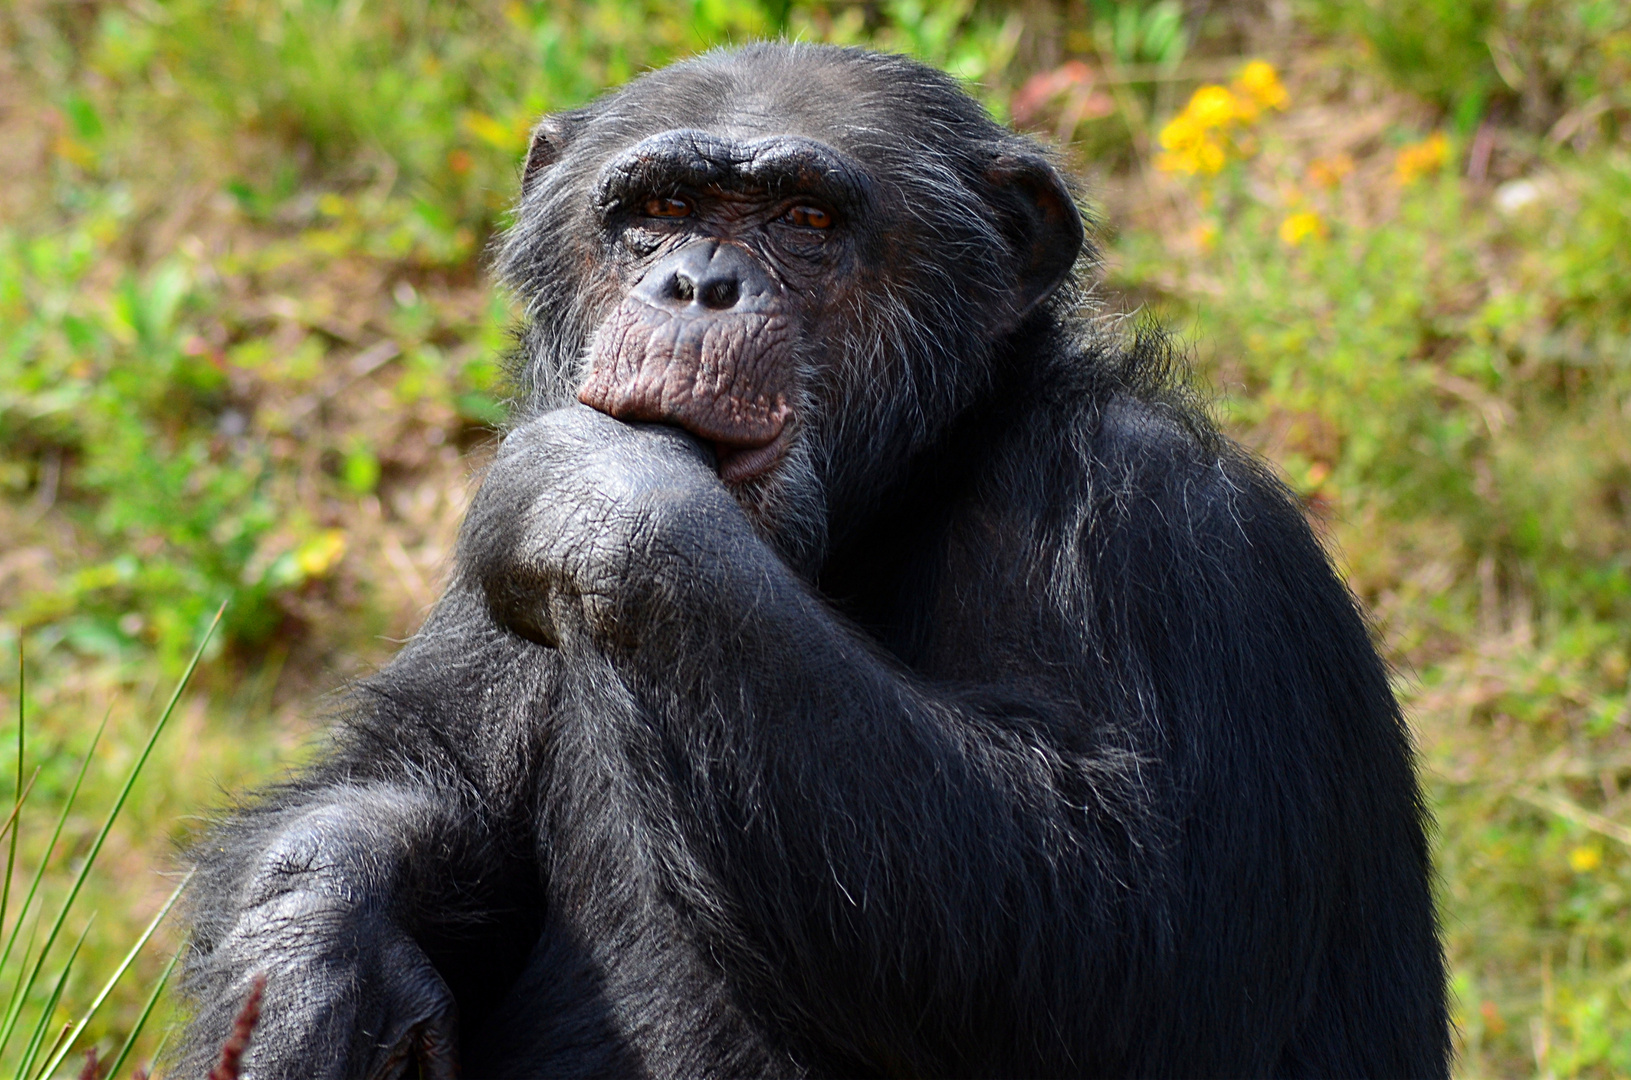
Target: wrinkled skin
<point>583,518</point>
<point>856,663</point>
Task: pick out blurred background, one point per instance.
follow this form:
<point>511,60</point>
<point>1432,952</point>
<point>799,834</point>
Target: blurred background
<point>248,353</point>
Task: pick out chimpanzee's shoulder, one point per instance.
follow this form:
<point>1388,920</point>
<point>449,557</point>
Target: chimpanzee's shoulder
<point>1102,399</point>
<point>1119,425</point>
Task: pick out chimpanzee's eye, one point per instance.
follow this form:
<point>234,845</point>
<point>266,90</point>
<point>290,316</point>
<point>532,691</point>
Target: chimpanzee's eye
<point>808,217</point>
<point>670,208</point>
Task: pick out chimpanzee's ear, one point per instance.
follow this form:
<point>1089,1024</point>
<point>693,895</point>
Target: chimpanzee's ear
<point>1041,221</point>
<point>549,139</point>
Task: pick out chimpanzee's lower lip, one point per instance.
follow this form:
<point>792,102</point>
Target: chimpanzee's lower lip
<point>738,464</point>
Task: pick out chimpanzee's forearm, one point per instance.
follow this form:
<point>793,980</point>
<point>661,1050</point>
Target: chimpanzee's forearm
<point>919,827</point>
<point>363,889</point>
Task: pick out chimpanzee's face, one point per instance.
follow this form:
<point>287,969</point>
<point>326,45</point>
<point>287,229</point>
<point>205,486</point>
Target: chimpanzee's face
<point>731,253</point>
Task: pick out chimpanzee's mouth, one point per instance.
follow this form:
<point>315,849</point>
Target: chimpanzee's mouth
<point>721,377</point>
<point>738,464</point>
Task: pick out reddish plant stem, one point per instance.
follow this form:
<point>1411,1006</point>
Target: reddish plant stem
<point>232,1051</point>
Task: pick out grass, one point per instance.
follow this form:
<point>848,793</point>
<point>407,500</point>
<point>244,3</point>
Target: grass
<point>247,354</point>
<point>24,1016</point>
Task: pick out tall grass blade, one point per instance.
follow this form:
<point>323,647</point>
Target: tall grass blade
<point>12,817</point>
<point>141,1020</point>
<point>164,1042</point>
<point>130,958</point>
<point>28,951</point>
<point>17,801</point>
<point>61,1035</point>
<point>107,824</point>
<point>19,994</point>
<point>22,913</point>
<point>43,1025</point>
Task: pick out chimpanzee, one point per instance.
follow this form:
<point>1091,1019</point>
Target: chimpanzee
<point>860,660</point>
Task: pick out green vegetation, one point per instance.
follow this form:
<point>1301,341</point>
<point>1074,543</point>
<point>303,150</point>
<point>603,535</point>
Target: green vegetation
<point>1565,64</point>
<point>247,354</point>
<point>33,1027</point>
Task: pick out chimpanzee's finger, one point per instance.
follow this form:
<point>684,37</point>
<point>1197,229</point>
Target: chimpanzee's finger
<point>438,1048</point>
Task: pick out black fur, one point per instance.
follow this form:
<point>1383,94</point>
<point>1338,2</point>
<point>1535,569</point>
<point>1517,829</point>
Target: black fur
<point>1017,725</point>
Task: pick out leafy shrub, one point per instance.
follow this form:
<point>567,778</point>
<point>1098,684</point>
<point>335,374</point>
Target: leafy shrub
<point>1550,62</point>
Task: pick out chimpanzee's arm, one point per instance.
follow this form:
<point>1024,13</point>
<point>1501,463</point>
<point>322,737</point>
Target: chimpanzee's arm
<point>388,878</point>
<point>843,836</point>
<point>868,847</point>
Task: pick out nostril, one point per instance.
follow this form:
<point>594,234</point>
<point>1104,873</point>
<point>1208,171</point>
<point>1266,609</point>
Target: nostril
<point>682,288</point>
<point>721,294</point>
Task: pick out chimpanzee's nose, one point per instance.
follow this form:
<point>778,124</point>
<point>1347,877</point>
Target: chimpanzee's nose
<point>710,275</point>
<point>710,288</point>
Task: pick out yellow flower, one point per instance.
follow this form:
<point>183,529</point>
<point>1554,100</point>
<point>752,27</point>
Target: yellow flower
<point>1201,138</point>
<point>1209,156</point>
<point>1205,155</point>
<point>1419,159</point>
<point>510,138</point>
<point>1260,83</point>
<point>317,556</point>
<point>1300,226</point>
<point>1584,859</point>
<point>1212,107</point>
<point>1180,133</point>
<point>1177,163</point>
<point>1181,138</point>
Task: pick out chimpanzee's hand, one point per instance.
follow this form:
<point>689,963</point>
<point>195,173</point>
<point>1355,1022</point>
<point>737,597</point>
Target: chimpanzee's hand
<point>345,997</point>
<point>583,520</point>
<point>349,994</point>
